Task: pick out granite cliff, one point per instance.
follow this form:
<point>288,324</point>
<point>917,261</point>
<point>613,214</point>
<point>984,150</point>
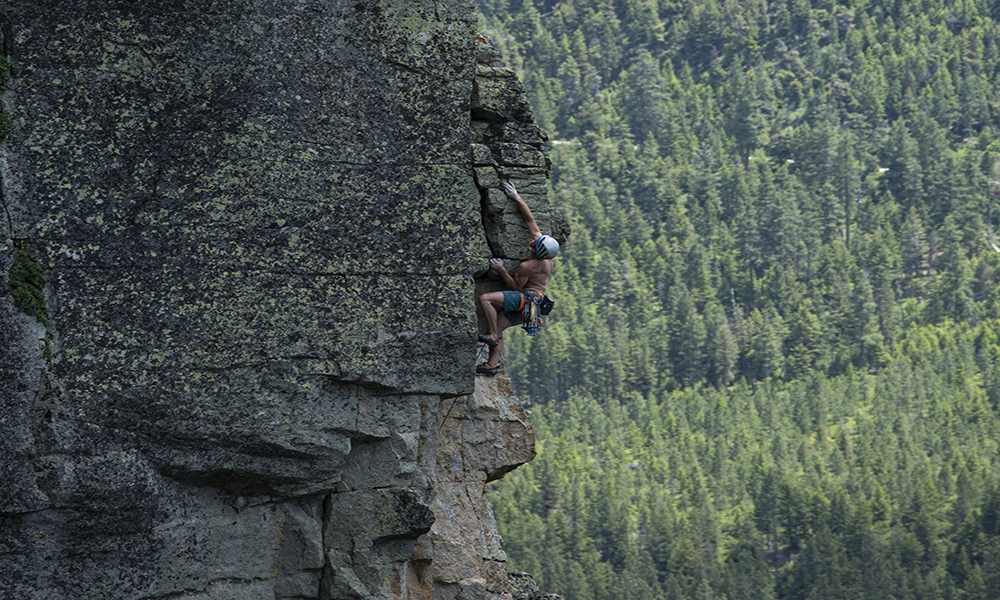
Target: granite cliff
<point>236,299</point>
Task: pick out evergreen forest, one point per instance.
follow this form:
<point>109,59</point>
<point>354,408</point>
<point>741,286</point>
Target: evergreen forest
<point>773,370</point>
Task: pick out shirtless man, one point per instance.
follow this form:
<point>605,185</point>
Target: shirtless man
<point>527,283</point>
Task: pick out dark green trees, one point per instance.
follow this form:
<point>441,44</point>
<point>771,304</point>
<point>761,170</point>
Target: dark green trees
<point>773,371</point>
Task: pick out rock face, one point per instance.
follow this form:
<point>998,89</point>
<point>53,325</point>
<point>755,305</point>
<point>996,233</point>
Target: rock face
<point>236,318</point>
<point>508,145</point>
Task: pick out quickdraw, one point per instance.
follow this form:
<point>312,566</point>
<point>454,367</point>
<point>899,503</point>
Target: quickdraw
<point>531,314</point>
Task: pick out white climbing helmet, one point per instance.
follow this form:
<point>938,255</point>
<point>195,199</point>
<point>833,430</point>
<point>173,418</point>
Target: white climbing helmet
<point>545,246</point>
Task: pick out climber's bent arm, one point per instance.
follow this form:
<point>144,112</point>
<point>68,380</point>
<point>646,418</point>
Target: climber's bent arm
<point>501,270</point>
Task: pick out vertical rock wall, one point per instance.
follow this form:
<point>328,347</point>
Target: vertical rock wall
<point>236,323</point>
<point>507,144</point>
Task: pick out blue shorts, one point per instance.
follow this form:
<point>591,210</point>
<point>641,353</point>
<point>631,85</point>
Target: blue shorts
<point>513,302</point>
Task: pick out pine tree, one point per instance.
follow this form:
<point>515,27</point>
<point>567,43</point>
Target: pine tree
<point>687,337</point>
<point>952,296</point>
<point>721,347</point>
<point>915,248</point>
<point>904,173</point>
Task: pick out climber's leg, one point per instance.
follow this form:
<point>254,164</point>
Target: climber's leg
<point>491,303</point>
<point>497,351</point>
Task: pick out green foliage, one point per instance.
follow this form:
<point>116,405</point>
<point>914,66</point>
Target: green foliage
<point>864,485</point>
<point>773,370</point>
<point>26,280</point>
<point>789,166</point>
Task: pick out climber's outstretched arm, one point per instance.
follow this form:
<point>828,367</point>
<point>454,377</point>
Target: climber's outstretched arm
<point>522,207</point>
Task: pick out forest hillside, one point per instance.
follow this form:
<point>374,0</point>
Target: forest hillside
<point>773,370</point>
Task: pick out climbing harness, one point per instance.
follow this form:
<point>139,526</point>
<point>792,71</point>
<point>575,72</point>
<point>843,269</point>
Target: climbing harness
<point>531,314</point>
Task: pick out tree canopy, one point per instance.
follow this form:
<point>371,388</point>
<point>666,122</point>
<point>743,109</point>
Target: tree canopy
<point>772,369</point>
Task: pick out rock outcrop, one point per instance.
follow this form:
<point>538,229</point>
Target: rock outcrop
<point>523,587</point>
<point>237,335</point>
<point>507,144</point>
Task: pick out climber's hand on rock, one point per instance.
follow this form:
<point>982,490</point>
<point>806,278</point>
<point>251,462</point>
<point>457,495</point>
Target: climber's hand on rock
<point>509,188</point>
<point>497,265</point>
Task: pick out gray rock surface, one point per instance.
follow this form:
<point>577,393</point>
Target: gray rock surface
<point>483,436</point>
<point>237,333</point>
<point>507,144</point>
<point>523,587</point>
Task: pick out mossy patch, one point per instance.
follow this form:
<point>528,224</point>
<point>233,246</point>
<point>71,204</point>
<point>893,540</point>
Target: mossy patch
<point>26,280</point>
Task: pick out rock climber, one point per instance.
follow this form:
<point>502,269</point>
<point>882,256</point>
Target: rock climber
<point>523,301</point>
